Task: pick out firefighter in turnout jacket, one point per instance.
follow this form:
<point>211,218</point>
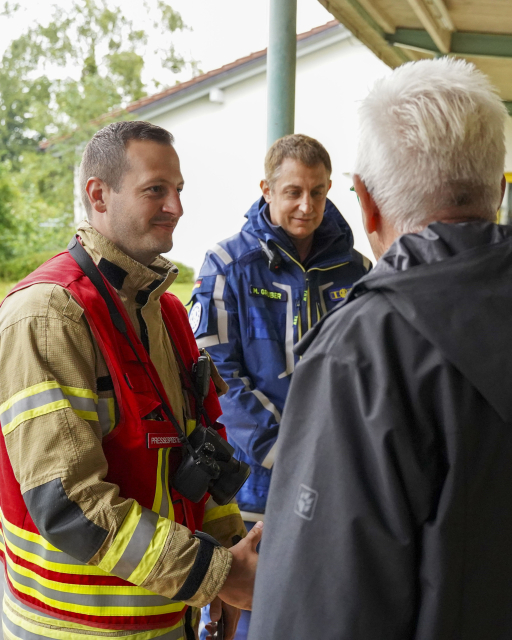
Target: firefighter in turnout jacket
<point>95,538</point>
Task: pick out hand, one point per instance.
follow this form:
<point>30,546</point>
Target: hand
<point>231,617</point>
<point>239,586</point>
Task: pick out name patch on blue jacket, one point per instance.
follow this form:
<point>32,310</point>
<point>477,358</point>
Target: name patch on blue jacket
<point>266,293</point>
<point>338,294</point>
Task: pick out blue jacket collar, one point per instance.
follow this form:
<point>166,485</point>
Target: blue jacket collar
<point>334,229</point>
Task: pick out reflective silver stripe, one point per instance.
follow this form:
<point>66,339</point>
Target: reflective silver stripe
<point>104,415</point>
<point>290,360</point>
<point>269,406</point>
<point>38,550</point>
<point>10,596</point>
<point>164,507</point>
<point>222,254</point>
<point>99,600</point>
<point>321,290</point>
<point>19,632</point>
<point>207,341</point>
<point>222,314</point>
<point>82,404</point>
<point>138,545</point>
<point>249,516</point>
<point>31,402</point>
<point>270,458</point>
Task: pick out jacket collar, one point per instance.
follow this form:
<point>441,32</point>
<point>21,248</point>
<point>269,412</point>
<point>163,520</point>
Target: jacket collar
<point>130,278</point>
<point>333,229</point>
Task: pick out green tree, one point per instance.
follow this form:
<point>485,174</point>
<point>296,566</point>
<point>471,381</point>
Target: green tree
<point>55,81</point>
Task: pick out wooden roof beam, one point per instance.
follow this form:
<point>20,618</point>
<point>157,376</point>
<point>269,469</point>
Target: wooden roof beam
<point>439,34</point>
<point>380,17</point>
<point>444,14</point>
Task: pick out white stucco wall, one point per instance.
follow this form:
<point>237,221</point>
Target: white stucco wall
<point>222,146</point>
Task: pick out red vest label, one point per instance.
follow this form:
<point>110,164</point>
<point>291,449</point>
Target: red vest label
<point>162,441</point>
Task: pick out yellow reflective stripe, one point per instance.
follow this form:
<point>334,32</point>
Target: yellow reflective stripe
<point>153,552</point>
<point>334,266</point>
<point>112,413</point>
<point>93,610</point>
<point>35,413</point>
<point>291,257</point>
<point>60,629</point>
<point>27,535</point>
<point>309,309</point>
<point>191,425</point>
<point>26,393</point>
<point>221,511</point>
<point>53,566</point>
<point>87,415</point>
<point>46,407</point>
<point>170,513</point>
<point>122,538</point>
<point>29,621</point>
<point>162,485</point>
<point>79,393</point>
<point>157,502</point>
<point>65,587</point>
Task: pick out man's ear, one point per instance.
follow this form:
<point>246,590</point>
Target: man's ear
<point>96,190</point>
<point>503,187</point>
<point>372,219</point>
<point>265,190</point>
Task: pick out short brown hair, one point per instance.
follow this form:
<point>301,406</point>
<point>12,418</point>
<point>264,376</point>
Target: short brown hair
<point>104,156</point>
<point>298,147</point>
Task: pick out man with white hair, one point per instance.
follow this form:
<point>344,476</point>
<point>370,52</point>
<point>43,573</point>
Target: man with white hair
<point>390,510</point>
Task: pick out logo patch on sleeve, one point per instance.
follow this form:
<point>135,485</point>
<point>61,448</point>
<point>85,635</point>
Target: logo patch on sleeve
<point>195,316</point>
<point>197,283</point>
<point>338,294</point>
<point>261,292</point>
<point>306,502</point>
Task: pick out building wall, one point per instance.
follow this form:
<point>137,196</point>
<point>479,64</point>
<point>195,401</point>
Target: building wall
<point>222,146</point>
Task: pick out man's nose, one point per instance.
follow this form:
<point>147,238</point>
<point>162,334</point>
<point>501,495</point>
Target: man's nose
<point>173,204</point>
<point>306,205</point>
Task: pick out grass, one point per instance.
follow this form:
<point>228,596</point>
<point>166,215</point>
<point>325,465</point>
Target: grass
<point>180,289</point>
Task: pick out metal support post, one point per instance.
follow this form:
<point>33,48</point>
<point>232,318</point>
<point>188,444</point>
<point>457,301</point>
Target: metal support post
<point>281,64</point>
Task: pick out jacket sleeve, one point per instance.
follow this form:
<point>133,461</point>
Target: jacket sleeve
<point>354,480</point>
<point>252,420</point>
<point>49,416</point>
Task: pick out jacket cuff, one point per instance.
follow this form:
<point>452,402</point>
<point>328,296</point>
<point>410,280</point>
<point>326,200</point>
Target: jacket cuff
<point>214,578</point>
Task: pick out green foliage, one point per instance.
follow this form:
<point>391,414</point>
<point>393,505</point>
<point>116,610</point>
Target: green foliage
<point>39,101</point>
<point>186,274</point>
<point>15,270</point>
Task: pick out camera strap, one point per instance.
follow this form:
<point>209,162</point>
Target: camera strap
<point>191,385</point>
<point>85,262</point>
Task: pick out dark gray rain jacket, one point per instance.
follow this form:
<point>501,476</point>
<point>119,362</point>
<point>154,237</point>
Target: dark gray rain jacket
<point>390,509</point>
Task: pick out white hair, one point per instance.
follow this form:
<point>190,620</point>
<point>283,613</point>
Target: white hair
<point>432,136</point>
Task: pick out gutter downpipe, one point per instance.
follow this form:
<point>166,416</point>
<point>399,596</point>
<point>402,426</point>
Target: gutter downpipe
<point>281,65</point>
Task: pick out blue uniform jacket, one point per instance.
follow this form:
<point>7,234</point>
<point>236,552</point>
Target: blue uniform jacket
<point>249,316</point>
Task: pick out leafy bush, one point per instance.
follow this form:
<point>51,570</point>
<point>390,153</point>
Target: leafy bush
<point>16,269</point>
<point>186,274</point>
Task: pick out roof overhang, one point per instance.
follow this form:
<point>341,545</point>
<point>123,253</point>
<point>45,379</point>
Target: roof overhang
<point>240,70</point>
<point>398,31</point>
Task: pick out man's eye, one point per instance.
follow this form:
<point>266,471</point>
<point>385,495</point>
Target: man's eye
<point>155,188</point>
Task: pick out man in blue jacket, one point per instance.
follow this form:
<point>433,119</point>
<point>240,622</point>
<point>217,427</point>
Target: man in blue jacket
<point>259,291</point>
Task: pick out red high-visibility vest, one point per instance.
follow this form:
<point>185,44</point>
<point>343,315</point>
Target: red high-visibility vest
<point>49,580</point>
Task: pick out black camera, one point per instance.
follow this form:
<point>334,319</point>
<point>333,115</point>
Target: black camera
<point>208,464</point>
<point>210,468</point>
